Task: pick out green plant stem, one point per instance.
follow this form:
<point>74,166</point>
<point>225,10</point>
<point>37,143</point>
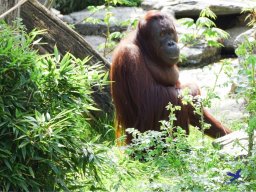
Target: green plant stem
<point>217,78</point>
<point>202,122</point>
<point>106,42</point>
<point>251,132</point>
<point>250,140</point>
<point>108,33</point>
<point>253,75</point>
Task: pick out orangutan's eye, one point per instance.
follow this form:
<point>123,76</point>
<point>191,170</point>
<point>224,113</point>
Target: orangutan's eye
<point>162,33</point>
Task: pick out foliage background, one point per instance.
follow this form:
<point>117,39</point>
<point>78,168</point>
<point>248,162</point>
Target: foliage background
<point>68,6</point>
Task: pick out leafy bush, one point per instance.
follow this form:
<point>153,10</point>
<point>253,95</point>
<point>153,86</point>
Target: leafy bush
<point>247,84</point>
<point>44,111</point>
<point>154,144</point>
<point>203,29</point>
<point>68,6</point>
<point>175,165</point>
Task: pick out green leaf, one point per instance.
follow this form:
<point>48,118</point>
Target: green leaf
<point>6,162</point>
<point>48,116</point>
<point>93,20</point>
<point>23,144</point>
<point>223,34</point>
<point>116,35</point>
<point>204,22</point>
<point>188,22</point>
<point>56,54</point>
<point>90,107</point>
<point>24,152</point>
<point>31,172</point>
<point>24,186</point>
<point>207,12</point>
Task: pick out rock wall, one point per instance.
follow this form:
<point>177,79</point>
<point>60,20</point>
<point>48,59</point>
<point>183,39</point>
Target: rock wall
<point>228,12</point>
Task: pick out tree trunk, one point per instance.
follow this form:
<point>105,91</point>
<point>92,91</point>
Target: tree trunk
<point>6,5</point>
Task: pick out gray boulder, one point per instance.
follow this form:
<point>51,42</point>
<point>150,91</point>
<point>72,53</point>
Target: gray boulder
<point>249,34</point>
<point>199,55</point>
<point>229,44</point>
<point>225,109</point>
<point>95,42</point>
<point>120,14</point>
<point>187,8</point>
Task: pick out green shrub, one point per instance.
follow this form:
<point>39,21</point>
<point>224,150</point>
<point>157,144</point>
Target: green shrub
<point>177,165</point>
<point>44,110</point>
<point>68,6</point>
<point>168,163</point>
<point>204,30</point>
<point>246,85</point>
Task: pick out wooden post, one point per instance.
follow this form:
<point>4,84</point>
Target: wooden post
<point>5,5</point>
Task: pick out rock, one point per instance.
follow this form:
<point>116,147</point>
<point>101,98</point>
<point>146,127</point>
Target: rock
<point>55,12</point>
<point>249,34</point>
<point>42,1</point>
<point>97,29</point>
<point>187,8</point>
<point>95,42</point>
<point>206,77</point>
<point>66,18</point>
<point>234,33</point>
<point>120,13</point>
<point>234,144</point>
<point>225,109</point>
<point>199,55</point>
<point>169,12</point>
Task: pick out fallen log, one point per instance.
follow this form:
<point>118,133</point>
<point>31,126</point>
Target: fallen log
<point>235,144</point>
<point>58,33</point>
